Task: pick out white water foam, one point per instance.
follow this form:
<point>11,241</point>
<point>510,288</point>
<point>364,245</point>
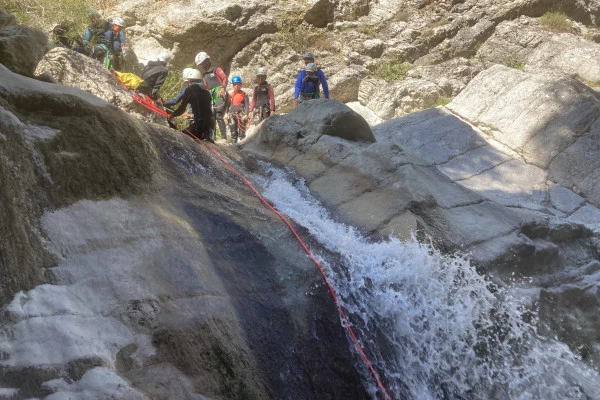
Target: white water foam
<point>432,326</point>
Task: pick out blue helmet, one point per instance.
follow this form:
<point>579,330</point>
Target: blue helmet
<point>236,79</point>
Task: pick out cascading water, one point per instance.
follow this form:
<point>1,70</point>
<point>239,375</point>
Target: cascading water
<point>432,326</point>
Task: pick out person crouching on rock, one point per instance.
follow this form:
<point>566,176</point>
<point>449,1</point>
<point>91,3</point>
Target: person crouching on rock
<point>200,99</point>
<point>154,76</point>
<point>94,34</point>
<point>263,99</point>
<point>115,40</point>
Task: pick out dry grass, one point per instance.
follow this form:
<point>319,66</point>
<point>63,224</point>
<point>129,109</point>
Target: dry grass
<point>390,70</point>
<point>556,22</point>
<point>45,14</point>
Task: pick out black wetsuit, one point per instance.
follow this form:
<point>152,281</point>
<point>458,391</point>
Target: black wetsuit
<point>154,75</point>
<point>201,102</point>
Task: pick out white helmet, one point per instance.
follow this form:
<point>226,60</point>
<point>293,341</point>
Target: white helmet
<point>165,57</point>
<point>119,21</point>
<point>191,74</point>
<point>201,57</point>
<point>187,72</point>
<point>311,67</point>
<point>260,71</point>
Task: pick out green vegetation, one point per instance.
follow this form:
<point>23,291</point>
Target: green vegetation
<point>291,34</point>
<point>367,29</point>
<point>515,62</point>
<point>556,22</point>
<point>174,83</point>
<point>296,35</point>
<point>442,101</point>
<point>390,70</point>
<point>46,14</point>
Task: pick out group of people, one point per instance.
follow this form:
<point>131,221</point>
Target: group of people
<point>211,104</point>
<point>205,92</point>
<point>102,40</point>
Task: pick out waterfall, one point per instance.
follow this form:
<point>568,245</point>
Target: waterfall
<point>432,326</point>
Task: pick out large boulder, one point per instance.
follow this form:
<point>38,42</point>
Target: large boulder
<point>536,116</point>
<point>221,29</point>
<point>578,166</point>
<point>524,43</point>
<point>343,86</point>
<point>351,9</point>
<point>389,100</point>
<point>313,119</point>
<point>21,48</point>
<point>542,119</point>
<point>74,69</point>
<point>319,13</point>
<point>47,130</point>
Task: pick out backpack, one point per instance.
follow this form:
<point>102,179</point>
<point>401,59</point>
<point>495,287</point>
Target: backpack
<point>219,102</point>
<point>310,87</point>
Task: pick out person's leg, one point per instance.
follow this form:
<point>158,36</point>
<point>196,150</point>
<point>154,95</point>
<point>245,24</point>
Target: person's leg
<point>99,53</point>
<point>242,130</point>
<point>233,128</point>
<point>256,116</point>
<point>211,132</point>
<point>222,125</point>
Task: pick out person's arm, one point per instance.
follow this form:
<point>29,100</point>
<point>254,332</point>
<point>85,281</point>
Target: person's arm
<point>323,83</point>
<point>187,95</point>
<point>86,37</point>
<point>253,102</point>
<point>222,77</point>
<point>227,111</point>
<point>246,104</point>
<point>298,85</point>
<point>271,99</point>
<point>108,36</point>
<point>122,37</point>
<point>175,100</point>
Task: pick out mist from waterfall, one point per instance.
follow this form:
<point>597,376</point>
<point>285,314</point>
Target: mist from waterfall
<point>432,326</point>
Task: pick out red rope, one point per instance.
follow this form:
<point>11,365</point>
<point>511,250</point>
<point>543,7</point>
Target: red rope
<point>332,291</point>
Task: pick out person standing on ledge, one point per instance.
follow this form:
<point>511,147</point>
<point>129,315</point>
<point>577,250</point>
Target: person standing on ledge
<point>215,80</point>
<point>309,58</point>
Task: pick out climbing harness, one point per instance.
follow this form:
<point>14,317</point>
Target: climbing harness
<point>261,113</point>
<point>238,115</point>
<point>345,321</point>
